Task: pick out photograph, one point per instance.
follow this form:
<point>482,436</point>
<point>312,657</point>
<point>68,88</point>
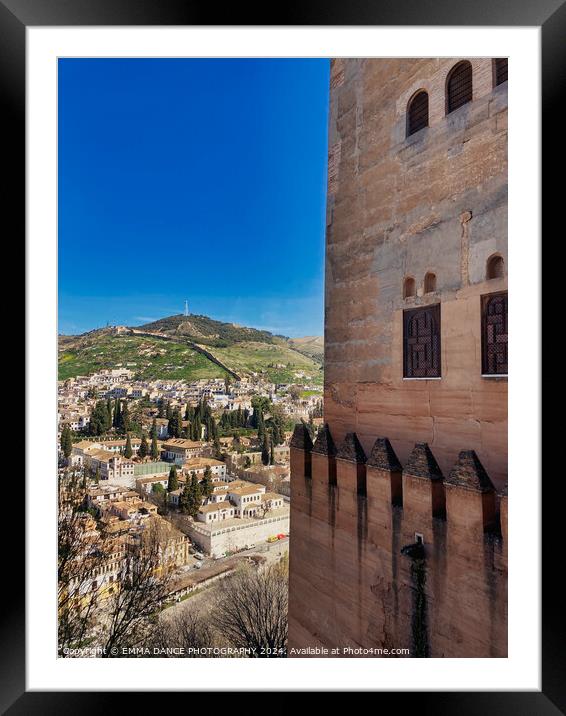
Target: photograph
<point>282,357</point>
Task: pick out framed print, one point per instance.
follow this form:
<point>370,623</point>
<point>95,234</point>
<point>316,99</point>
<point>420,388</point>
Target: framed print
<point>278,402</point>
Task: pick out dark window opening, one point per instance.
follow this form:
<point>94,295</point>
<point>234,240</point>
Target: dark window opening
<point>430,283</point>
<point>459,86</point>
<point>500,71</point>
<point>494,334</point>
<point>421,342</point>
<point>417,113</point>
<point>409,287</point>
<point>495,267</point>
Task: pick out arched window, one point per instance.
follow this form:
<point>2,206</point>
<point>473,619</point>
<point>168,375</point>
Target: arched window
<point>409,287</point>
<point>459,86</point>
<point>430,283</point>
<point>499,71</point>
<point>417,113</point>
<point>495,267</point>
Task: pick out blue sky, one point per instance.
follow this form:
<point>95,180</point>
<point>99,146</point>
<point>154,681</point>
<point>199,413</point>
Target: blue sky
<point>197,179</point>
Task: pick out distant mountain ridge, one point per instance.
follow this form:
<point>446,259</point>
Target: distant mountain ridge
<point>192,347</point>
<point>209,331</point>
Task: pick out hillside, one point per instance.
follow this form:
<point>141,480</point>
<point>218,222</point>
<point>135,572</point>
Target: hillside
<point>207,331</point>
<point>312,346</point>
<point>150,358</point>
<point>186,348</point>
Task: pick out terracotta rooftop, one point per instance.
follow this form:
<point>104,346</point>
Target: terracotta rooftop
<point>383,456</point>
<point>351,449</point>
<point>470,473</point>
<point>422,463</point>
<point>215,506</point>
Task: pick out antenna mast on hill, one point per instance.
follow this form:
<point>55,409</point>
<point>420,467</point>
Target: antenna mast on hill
<point>186,307</point>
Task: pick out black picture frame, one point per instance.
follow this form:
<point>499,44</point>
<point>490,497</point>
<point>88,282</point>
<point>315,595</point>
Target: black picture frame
<point>550,15</point>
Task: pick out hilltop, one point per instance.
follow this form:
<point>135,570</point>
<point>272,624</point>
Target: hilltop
<point>207,331</point>
<point>190,348</point>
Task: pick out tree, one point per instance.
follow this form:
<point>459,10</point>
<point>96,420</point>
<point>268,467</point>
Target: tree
<point>191,497</point>
<point>128,452</point>
<point>80,553</point>
<point>154,448</point>
<point>97,475</point>
<point>144,448</point>
<point>117,419</point>
<point>141,587</point>
<point>175,424</point>
<point>66,441</point>
<point>109,411</point>
<point>99,420</point>
<point>187,629</point>
<point>206,485</point>
<point>125,418</point>
<point>251,610</point>
<point>295,393</point>
<point>271,454</point>
<point>173,482</point>
<point>196,428</point>
<point>153,430</point>
<point>157,488</point>
<point>265,450</point>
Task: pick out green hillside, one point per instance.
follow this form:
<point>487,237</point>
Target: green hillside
<point>243,350</point>
<point>207,331</point>
<point>276,361</point>
<point>150,358</point>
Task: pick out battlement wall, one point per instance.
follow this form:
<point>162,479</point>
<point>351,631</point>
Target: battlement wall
<point>395,556</point>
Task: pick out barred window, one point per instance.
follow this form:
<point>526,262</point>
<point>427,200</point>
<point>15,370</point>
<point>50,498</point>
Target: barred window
<point>421,342</point>
<point>499,71</point>
<point>417,113</point>
<point>494,334</point>
<point>459,86</point>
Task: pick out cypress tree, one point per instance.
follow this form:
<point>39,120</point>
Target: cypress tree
<point>153,430</point>
<point>197,428</point>
<point>175,424</point>
<point>195,496</point>
<point>144,448</point>
<point>99,422</point>
<point>128,452</point>
<point>207,487</point>
<point>185,497</point>
<point>154,448</point>
<point>66,442</point>
<point>173,482</point>
<point>265,450</point>
<point>165,502</point>
<point>117,422</point>
<point>271,454</point>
